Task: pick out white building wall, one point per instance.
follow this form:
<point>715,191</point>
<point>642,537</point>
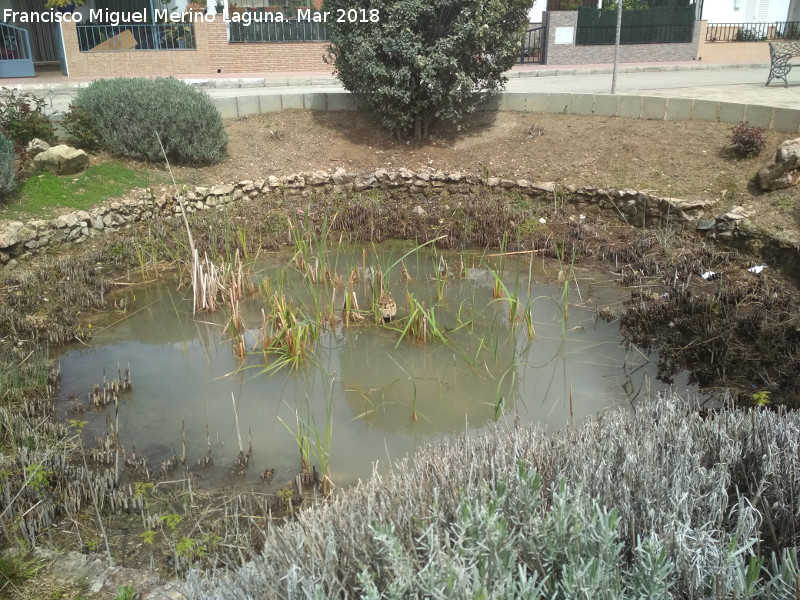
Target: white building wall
<point>745,11</point>
<point>535,13</point>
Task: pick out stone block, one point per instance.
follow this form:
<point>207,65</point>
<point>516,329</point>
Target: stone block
<point>514,101</point>
<point>316,101</point>
<point>605,105</point>
<point>559,103</point>
<point>654,108</point>
<point>629,106</point>
<point>731,112</point>
<point>269,103</point>
<point>537,102</point>
<point>227,107</point>
<point>583,104</point>
<point>758,115</point>
<point>292,101</point>
<point>679,109</point>
<point>786,119</point>
<point>705,110</point>
<point>247,105</point>
<point>341,101</point>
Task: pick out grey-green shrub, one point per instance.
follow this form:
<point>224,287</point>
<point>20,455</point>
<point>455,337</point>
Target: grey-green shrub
<point>656,502</point>
<point>7,176</point>
<point>123,115</point>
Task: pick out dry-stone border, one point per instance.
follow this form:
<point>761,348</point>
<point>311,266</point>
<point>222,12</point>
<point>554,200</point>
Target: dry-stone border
<point>421,188</point>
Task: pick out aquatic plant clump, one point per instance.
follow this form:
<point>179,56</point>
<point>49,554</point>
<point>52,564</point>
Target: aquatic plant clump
<point>658,502</point>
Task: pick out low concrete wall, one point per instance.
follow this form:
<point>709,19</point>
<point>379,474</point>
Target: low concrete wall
<point>633,107</point>
<point>571,54</point>
<point>730,51</point>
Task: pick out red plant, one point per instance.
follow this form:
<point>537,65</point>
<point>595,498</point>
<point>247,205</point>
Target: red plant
<point>747,141</point>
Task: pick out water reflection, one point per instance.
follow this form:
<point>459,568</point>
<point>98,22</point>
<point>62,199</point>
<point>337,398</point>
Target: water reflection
<point>383,398</point>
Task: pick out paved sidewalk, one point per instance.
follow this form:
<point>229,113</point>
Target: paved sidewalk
<point>742,82</point>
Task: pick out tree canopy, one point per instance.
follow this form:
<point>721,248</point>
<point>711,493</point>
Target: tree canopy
<point>412,61</point>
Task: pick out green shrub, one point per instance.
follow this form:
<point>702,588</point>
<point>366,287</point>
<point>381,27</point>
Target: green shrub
<point>410,62</point>
<point>747,140</point>
<point>750,34</point>
<point>79,125</point>
<point>7,178</point>
<point>22,117</point>
<point>123,115</point>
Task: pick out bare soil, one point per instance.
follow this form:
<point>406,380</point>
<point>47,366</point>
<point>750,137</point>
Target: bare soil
<point>690,160</point>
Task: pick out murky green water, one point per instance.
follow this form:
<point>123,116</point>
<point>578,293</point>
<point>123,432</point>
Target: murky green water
<point>183,369</point>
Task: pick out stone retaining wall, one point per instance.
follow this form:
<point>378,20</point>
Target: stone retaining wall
<point>423,189</point>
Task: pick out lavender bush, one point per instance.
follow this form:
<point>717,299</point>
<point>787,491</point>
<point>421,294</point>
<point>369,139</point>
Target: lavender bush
<point>656,502</point>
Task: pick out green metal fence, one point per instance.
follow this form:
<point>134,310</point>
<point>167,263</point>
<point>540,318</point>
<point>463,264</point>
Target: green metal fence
<point>662,25</point>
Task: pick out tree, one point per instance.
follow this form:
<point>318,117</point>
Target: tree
<point>412,61</point>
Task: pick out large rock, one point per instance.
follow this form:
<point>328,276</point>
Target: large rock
<point>785,170</point>
<point>62,160</point>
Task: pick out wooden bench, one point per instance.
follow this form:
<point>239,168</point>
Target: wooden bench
<point>780,54</point>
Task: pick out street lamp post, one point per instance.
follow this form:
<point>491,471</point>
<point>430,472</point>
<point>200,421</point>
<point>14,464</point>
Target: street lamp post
<point>616,47</point>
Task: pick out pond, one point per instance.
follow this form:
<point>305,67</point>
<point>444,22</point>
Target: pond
<point>365,392</point>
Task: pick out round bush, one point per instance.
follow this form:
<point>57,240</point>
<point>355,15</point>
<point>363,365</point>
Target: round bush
<point>7,178</point>
<point>125,115</point>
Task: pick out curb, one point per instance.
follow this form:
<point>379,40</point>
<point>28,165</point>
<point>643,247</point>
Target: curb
<point>628,106</point>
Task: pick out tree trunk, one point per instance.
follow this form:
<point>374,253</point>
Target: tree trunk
<point>418,128</point>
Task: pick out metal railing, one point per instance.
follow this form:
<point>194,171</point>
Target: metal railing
<point>285,31</point>
<point>124,38</point>
<point>753,32</point>
<point>14,43</point>
<point>532,46</point>
<point>599,35</point>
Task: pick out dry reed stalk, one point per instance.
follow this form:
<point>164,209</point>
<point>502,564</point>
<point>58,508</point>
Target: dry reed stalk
<point>406,276</point>
<point>236,419</point>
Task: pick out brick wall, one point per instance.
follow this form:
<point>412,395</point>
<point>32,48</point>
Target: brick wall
<point>570,54</point>
<point>225,57</point>
<point>214,54</point>
<point>731,51</point>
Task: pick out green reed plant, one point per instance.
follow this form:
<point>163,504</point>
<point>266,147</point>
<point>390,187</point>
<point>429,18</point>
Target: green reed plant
<point>565,273</point>
<point>301,435</point>
<point>498,273</point>
<point>414,413</point>
<point>515,305</point>
<point>288,331</point>
<point>313,440</point>
<point>322,443</point>
<point>421,324</point>
<point>22,375</point>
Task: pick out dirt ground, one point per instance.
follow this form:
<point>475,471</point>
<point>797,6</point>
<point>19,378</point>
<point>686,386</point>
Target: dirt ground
<point>691,160</point>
